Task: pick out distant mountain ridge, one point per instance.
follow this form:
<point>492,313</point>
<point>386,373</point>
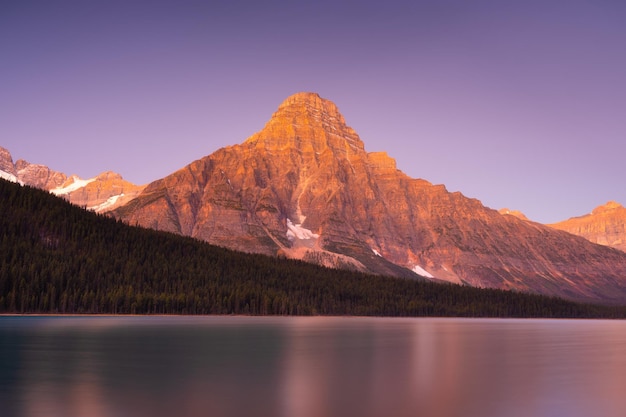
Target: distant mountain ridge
<point>304,187</point>
<point>605,225</point>
<point>101,193</point>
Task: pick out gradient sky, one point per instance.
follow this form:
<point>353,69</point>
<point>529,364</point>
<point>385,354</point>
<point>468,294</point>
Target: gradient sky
<point>520,104</point>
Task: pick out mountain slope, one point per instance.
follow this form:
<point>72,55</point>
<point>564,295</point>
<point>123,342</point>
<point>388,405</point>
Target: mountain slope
<point>605,225</point>
<point>102,193</point>
<point>305,187</point>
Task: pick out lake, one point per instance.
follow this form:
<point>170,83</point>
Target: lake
<point>310,367</point>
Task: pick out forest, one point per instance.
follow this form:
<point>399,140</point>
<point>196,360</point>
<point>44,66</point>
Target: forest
<point>57,258</point>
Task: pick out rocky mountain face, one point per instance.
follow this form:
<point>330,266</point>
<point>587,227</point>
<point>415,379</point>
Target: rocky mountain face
<point>605,225</point>
<point>102,193</point>
<point>39,176</point>
<point>304,187</point>
<point>7,167</point>
<point>515,213</point>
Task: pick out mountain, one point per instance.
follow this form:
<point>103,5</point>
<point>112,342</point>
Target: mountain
<point>605,225</point>
<point>102,193</point>
<point>304,187</point>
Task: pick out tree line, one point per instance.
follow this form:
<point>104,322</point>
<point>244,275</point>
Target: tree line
<point>59,258</point>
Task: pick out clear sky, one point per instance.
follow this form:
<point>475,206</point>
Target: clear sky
<point>520,104</point>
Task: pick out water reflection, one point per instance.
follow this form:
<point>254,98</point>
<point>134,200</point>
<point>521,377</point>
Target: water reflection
<point>310,367</point>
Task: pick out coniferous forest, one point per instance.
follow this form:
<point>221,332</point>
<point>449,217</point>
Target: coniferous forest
<point>59,258</point>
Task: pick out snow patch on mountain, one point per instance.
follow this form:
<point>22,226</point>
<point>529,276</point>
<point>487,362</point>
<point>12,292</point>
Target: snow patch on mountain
<point>10,177</point>
<point>296,231</point>
<point>421,271</point>
<point>106,204</point>
<point>376,252</point>
<point>77,184</point>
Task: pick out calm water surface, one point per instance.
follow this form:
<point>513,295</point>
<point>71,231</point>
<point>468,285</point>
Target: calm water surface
<point>310,367</point>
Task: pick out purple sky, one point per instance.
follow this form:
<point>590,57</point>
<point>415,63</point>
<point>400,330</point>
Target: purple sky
<point>521,104</point>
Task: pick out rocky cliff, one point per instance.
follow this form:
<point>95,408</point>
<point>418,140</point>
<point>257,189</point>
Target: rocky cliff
<point>305,187</point>
<point>102,193</point>
<point>7,167</point>
<point>605,225</point>
<point>39,176</point>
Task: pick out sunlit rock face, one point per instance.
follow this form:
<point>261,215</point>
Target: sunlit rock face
<point>515,213</point>
<point>102,193</point>
<point>305,187</point>
<point>34,175</point>
<point>39,176</point>
<point>605,225</point>
<point>6,162</point>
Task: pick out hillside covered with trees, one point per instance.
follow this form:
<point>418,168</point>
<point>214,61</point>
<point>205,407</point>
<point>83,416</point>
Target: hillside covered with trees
<point>60,258</point>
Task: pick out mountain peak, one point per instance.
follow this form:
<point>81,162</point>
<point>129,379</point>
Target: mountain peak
<point>6,161</point>
<point>109,176</point>
<point>605,225</point>
<point>611,205</point>
<point>514,213</point>
<point>302,96</point>
<point>312,102</point>
<point>312,105</point>
<point>306,121</point>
